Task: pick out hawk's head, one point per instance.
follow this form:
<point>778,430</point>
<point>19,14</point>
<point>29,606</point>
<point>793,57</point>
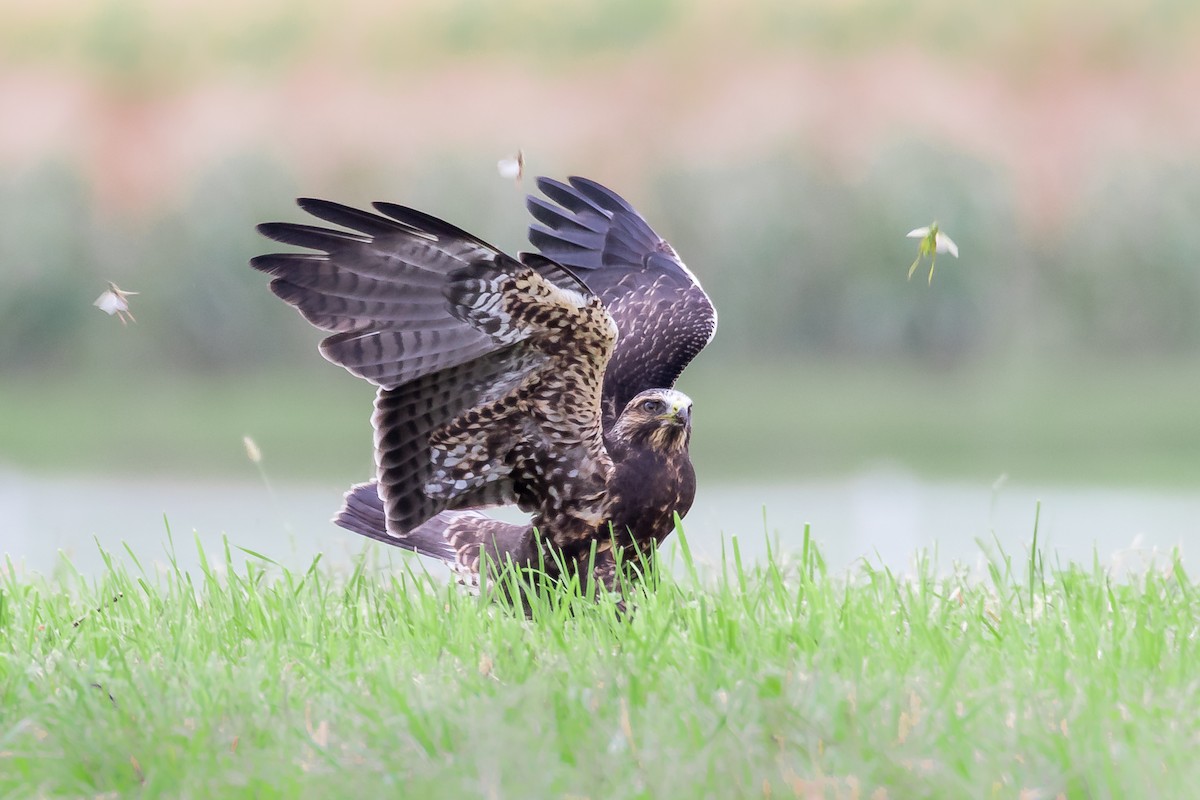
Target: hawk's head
<point>658,419</point>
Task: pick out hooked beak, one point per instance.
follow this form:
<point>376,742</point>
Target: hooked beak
<point>681,413</point>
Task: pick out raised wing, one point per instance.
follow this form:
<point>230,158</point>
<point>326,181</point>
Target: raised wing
<point>664,316</point>
<point>518,424</point>
<point>379,287</point>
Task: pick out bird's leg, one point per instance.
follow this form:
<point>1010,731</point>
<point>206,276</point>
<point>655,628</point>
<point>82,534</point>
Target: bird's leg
<point>608,578</point>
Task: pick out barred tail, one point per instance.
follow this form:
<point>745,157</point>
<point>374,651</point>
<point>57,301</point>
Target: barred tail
<point>363,512</point>
<point>461,538</point>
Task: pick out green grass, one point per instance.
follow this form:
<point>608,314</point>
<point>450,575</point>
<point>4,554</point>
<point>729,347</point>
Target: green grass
<point>777,680</point>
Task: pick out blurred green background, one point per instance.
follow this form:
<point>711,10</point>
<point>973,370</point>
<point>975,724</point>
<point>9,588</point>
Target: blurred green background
<point>784,147</point>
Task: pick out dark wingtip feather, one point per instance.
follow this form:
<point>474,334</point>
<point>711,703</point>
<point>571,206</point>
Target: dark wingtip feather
<point>309,236</point>
<point>426,224</point>
<point>349,217</point>
<point>551,269</point>
<point>554,246</point>
<point>600,195</point>
<point>281,264</point>
<point>566,196</point>
<point>547,185</point>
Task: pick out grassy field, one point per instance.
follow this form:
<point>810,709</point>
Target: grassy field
<point>1117,423</point>
<point>1026,681</point>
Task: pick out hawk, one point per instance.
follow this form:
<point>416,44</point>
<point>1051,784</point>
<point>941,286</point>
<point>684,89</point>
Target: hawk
<point>541,380</point>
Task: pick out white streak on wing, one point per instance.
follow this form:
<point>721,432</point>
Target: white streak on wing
<point>575,298</point>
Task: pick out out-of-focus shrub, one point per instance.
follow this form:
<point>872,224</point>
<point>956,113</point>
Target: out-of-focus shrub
<point>800,261</point>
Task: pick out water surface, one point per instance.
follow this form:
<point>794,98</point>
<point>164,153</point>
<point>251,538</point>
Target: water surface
<point>884,517</point>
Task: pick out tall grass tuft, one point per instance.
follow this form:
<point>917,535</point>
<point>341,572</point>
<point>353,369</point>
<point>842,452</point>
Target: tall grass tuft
<point>730,679</point>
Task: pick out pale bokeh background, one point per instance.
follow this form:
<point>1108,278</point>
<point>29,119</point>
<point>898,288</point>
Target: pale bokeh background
<point>784,147</point>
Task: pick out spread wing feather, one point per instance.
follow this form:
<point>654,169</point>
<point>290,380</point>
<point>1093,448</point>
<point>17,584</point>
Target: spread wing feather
<point>405,419</point>
<point>509,425</point>
<point>379,287</point>
<point>496,376</point>
<point>664,316</point>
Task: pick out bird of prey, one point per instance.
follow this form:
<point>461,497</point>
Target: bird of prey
<point>541,380</point>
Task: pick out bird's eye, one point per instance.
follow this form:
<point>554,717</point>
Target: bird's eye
<point>654,406</point>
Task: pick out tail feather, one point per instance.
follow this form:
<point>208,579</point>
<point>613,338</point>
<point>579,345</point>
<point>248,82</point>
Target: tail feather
<point>363,513</point>
<point>460,538</point>
<point>362,510</point>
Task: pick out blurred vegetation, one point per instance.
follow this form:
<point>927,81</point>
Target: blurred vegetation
<point>805,261</point>
<point>144,43</point>
<point>799,264</point>
<point>1070,358</point>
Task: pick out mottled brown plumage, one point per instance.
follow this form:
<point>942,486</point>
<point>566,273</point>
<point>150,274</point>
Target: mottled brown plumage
<point>500,379</point>
<point>650,481</point>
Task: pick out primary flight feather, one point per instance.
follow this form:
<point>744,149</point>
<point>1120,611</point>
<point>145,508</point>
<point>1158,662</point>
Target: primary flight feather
<point>543,381</point>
